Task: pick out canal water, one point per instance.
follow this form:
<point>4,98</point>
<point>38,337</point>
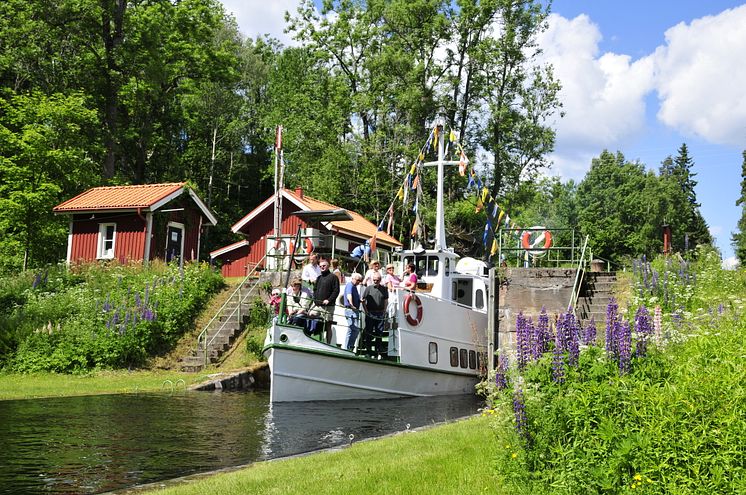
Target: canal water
<point>100,443</point>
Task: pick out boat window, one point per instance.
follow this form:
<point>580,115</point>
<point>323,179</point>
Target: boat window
<point>421,266</point>
<point>462,291</point>
<point>432,353</point>
<point>448,266</point>
<point>463,358</point>
<point>479,299</point>
<point>454,356</point>
<point>432,265</point>
<point>479,360</point>
<point>473,360</point>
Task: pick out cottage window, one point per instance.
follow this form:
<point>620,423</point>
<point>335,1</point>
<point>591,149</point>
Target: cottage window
<point>107,234</point>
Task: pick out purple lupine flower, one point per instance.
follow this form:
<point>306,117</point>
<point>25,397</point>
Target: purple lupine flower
<point>522,341</point>
<point>560,333</point>
<point>533,340</point>
<point>611,320</point>
<point>665,287</point>
<point>37,281</point>
<point>519,408</point>
<point>501,372</point>
<point>721,309</point>
<point>644,330</point>
<point>542,331</point>
<point>573,343</point>
<point>138,301</point>
<point>654,282</point>
<point>589,336</point>
<point>147,294</point>
<point>558,362</point>
<point>624,346</point>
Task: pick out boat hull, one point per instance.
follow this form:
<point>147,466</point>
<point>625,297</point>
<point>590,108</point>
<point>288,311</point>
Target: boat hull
<point>301,374</point>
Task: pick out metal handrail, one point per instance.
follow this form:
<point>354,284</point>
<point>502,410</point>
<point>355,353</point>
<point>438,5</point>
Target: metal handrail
<point>579,274</point>
<point>202,337</point>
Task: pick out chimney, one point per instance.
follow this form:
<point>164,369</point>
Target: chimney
<point>299,192</point>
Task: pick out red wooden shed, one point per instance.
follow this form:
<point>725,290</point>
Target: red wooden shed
<point>135,223</point>
<point>336,238</point>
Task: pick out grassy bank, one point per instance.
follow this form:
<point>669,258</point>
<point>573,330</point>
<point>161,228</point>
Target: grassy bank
<point>35,385</point>
<point>454,458</point>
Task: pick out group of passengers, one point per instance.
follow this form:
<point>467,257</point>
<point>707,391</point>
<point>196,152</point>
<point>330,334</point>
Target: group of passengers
<point>311,299</point>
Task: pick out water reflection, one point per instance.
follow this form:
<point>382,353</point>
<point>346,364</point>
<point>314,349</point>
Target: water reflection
<point>101,443</point>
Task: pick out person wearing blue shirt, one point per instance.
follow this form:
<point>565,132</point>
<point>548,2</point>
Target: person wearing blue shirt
<point>352,310</point>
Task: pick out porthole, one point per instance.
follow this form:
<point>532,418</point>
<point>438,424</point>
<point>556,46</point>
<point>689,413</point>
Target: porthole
<point>454,357</point>
<point>283,338</point>
<point>432,353</point>
<point>463,358</point>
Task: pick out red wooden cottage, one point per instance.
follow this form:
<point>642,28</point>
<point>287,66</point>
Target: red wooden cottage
<point>137,223</point>
<point>336,237</point>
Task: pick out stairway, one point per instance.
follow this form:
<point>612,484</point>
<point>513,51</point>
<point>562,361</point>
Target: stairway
<point>597,289</point>
<point>223,330</point>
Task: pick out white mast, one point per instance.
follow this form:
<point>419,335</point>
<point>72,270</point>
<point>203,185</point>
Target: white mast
<point>278,183</point>
<point>440,225</point>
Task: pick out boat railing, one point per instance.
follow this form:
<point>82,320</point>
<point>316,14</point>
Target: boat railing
<point>239,296</point>
<point>579,274</point>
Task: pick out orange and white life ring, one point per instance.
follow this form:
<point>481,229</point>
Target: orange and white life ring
<point>413,320</point>
<point>539,245</point>
<point>301,254</point>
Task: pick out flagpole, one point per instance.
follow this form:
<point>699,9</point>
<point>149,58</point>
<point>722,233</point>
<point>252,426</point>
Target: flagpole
<point>278,202</point>
<point>440,228</point>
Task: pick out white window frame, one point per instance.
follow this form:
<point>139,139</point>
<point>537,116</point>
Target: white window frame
<point>101,254</point>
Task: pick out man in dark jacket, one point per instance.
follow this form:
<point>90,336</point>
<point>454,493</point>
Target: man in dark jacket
<point>324,297</point>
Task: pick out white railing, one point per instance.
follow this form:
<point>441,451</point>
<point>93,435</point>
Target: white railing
<point>579,274</point>
<point>205,338</point>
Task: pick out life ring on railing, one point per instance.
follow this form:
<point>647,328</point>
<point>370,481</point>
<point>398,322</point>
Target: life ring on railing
<point>412,298</point>
<point>301,254</point>
<point>535,247</point>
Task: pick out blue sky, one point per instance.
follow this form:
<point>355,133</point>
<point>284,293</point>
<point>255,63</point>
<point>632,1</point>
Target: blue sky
<point>640,77</point>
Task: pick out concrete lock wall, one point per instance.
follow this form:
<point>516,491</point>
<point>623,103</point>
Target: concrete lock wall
<point>527,290</point>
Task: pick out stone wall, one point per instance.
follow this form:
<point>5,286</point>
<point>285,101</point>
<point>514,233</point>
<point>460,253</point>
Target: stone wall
<point>527,290</point>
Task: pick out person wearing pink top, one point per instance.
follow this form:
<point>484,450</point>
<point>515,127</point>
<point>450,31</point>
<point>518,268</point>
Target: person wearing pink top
<point>409,279</point>
<point>391,280</point>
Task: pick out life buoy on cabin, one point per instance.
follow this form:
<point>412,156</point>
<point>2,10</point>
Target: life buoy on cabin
<point>301,253</point>
<point>539,245</point>
<point>408,301</point>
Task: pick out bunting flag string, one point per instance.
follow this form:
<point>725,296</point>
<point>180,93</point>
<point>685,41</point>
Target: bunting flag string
<point>484,199</point>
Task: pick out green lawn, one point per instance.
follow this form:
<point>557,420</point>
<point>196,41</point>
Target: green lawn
<point>456,458</point>
<point>28,386</point>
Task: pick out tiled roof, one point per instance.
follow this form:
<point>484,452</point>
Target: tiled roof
<point>119,197</point>
<point>358,224</point>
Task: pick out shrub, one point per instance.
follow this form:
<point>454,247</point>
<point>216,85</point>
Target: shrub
<point>105,317</point>
<point>669,420</point>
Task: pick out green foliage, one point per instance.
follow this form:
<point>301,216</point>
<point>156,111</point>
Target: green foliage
<point>44,159</point>
<point>739,237</point>
<point>102,317</point>
<point>673,424</point>
<point>260,317</point>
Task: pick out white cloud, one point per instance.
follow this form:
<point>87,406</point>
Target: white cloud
<point>730,263</point>
<point>701,75</point>
<point>603,96</point>
<point>256,18</point>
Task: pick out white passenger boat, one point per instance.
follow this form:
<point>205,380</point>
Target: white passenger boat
<point>435,342</point>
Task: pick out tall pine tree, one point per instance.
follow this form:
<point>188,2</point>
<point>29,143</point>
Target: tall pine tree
<point>739,237</point>
<point>688,226</point>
